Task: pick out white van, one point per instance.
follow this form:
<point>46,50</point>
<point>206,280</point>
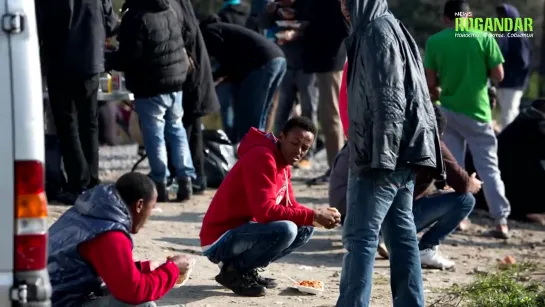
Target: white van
<point>23,226</point>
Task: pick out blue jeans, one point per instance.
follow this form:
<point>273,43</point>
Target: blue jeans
<point>246,103</point>
<point>375,198</point>
<point>256,245</point>
<point>444,212</point>
<point>161,118</point>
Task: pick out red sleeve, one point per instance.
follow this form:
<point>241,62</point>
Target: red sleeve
<point>259,173</point>
<point>343,101</point>
<point>143,266</point>
<point>118,270</point>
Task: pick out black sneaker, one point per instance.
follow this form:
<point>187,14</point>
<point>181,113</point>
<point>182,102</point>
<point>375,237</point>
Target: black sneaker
<point>241,284</point>
<point>268,283</point>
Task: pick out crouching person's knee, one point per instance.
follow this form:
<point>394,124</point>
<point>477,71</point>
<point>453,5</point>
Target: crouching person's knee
<point>286,232</point>
<point>467,202</point>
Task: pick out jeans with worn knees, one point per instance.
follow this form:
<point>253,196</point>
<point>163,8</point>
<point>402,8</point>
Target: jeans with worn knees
<point>246,103</point>
<point>375,198</point>
<point>443,213</point>
<point>256,245</point>
<point>161,119</point>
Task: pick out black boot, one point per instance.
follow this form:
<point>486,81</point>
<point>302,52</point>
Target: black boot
<point>266,282</point>
<point>185,189</point>
<point>199,185</point>
<point>241,284</point>
<point>162,192</point>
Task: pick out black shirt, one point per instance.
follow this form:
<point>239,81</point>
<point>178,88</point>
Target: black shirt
<point>237,50</point>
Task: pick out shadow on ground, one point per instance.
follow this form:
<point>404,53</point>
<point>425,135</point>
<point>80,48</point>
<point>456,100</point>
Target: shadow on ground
<point>193,293</point>
<point>186,217</point>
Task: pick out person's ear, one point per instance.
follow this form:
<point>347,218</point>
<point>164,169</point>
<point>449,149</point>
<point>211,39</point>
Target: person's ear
<point>281,136</point>
<point>139,206</point>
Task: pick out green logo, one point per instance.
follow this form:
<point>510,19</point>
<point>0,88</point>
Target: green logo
<point>498,27</point>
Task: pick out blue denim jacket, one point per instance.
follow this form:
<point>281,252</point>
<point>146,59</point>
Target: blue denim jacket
<point>96,211</point>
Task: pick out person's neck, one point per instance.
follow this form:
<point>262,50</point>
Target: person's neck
<point>279,147</point>
<point>449,24</point>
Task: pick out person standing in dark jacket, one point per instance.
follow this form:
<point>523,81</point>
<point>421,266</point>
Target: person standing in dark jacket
<point>250,68</point>
<point>152,55</point>
<point>393,133</point>
<point>234,12</point>
<point>72,37</point>
<point>443,211</point>
<point>324,55</point>
<point>199,97</point>
<point>517,52</point>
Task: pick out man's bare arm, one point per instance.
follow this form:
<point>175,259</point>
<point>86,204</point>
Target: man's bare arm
<point>496,73</point>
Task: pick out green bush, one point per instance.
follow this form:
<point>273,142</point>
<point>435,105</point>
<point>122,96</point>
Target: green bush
<point>511,286</point>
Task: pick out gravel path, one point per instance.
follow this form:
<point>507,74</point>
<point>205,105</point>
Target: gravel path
<point>176,229</point>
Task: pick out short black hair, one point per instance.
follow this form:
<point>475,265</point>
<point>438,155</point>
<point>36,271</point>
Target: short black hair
<point>500,10</point>
<point>441,119</point>
<point>455,6</point>
<point>134,186</point>
<point>302,122</point>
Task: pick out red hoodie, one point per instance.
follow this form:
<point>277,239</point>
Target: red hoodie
<point>257,189</point>
<point>110,254</point>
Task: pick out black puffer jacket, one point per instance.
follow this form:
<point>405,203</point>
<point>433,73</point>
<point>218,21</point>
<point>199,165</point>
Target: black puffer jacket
<point>392,121</point>
<point>199,97</point>
<point>151,49</point>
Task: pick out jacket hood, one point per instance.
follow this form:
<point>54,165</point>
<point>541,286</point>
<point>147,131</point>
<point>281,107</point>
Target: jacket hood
<point>363,12</point>
<point>510,11</point>
<point>257,138</point>
<point>149,5</point>
<point>104,203</point>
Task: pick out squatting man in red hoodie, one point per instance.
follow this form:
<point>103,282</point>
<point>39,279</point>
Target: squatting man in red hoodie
<point>254,219</point>
<point>91,245</point>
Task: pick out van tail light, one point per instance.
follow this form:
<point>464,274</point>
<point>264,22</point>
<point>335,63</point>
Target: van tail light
<point>30,217</point>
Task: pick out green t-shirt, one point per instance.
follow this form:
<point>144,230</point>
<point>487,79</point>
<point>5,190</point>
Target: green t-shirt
<point>462,65</point>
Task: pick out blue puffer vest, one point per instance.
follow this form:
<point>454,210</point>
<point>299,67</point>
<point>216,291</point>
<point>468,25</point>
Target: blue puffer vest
<point>97,211</point>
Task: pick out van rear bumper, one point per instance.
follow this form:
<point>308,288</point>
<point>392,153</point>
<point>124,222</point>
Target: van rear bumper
<point>25,289</point>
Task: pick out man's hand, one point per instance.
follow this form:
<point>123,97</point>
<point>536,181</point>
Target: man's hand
<point>286,36</point>
<point>183,262</point>
<point>327,218</point>
<point>474,184</point>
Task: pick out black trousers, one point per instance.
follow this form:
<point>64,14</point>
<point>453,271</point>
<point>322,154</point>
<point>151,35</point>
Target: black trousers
<point>73,102</point>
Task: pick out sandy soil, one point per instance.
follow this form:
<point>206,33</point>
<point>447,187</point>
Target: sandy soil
<point>176,229</point>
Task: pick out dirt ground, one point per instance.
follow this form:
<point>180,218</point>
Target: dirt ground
<point>176,230</point>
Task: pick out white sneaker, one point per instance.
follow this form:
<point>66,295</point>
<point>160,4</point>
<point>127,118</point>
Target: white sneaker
<point>432,259</point>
